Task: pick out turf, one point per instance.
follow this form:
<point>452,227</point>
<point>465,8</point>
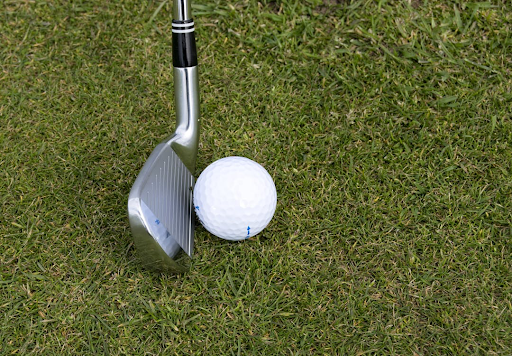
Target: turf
<point>386,126</point>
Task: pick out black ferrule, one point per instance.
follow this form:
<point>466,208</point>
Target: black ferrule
<point>184,53</point>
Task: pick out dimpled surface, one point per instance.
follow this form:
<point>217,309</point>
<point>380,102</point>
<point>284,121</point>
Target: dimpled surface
<point>235,198</point>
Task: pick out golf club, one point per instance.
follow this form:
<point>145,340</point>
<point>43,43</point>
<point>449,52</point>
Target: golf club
<point>160,207</point>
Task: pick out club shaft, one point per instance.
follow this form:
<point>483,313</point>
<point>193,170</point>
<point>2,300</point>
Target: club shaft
<point>181,10</point>
<point>184,52</point>
<point>186,87</point>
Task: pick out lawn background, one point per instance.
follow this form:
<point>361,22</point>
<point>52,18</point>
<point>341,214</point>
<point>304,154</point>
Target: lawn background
<point>386,126</point>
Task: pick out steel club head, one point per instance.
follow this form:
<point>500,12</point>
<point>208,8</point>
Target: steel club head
<point>160,210</point>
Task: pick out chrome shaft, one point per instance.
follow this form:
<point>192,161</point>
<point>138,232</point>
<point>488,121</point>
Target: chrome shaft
<point>181,10</point>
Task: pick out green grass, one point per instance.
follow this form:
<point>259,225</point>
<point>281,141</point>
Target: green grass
<point>386,126</point>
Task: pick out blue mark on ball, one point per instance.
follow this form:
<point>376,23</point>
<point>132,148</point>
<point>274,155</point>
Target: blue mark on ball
<point>197,207</point>
<point>157,222</point>
<point>248,231</point>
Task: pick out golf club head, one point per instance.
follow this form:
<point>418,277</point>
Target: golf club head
<point>160,205</point>
<point>160,210</point>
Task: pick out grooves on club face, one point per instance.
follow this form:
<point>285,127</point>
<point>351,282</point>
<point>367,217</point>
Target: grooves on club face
<point>160,210</point>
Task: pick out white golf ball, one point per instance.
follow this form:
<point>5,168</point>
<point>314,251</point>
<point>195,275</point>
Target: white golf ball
<point>235,198</point>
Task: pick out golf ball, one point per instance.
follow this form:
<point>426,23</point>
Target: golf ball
<point>235,198</point>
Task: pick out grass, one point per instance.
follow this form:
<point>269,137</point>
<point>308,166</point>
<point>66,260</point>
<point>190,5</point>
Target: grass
<point>385,125</point>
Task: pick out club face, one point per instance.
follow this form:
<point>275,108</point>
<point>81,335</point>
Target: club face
<point>160,209</point>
